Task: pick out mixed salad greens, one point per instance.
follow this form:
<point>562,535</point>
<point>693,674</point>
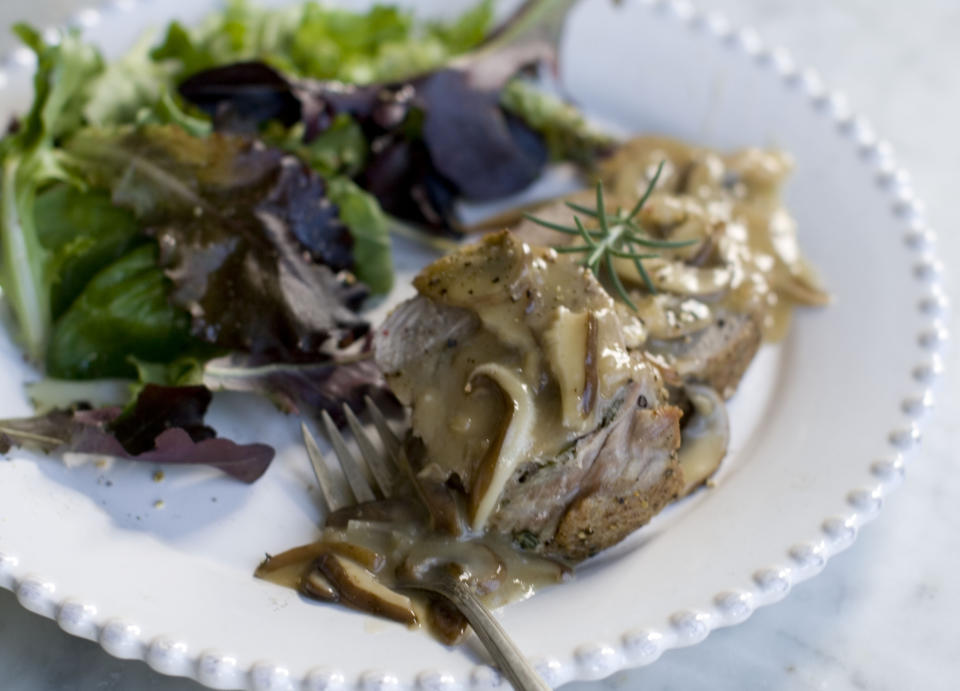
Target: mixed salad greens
<point>211,211</point>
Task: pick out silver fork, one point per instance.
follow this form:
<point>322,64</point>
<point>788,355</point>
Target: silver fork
<point>355,487</point>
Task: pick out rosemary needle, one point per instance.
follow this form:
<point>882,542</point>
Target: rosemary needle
<point>619,235</point>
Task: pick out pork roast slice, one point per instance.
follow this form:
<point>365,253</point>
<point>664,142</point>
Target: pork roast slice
<point>608,484</point>
<point>717,355</point>
<point>574,487</point>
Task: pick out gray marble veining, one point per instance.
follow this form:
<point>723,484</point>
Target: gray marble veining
<point>884,615</point>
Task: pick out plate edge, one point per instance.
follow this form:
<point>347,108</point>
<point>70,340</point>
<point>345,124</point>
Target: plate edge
<point>634,648</point>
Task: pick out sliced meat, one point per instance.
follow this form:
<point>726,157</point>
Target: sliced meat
<point>716,356</point>
<point>633,477</point>
<point>608,484</point>
<point>516,366</point>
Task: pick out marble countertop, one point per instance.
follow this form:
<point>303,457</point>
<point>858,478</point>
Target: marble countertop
<point>873,619</point>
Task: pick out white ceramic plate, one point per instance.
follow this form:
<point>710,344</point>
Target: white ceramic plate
<point>820,424</point>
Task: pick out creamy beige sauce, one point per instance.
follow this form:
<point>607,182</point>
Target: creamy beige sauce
<point>497,571</point>
<point>705,437</point>
<point>731,205</point>
<point>550,331</point>
<point>547,352</point>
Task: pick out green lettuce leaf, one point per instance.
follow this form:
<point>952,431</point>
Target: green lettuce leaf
<point>82,232</point>
<point>314,40</point>
<point>62,82</point>
<point>168,110</point>
<point>126,86</point>
<point>53,240</point>
<point>124,311</point>
<point>568,135</point>
<point>467,31</point>
<point>370,229</point>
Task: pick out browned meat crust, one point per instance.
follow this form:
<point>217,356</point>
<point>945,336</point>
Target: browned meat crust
<point>634,476</point>
<point>717,356</point>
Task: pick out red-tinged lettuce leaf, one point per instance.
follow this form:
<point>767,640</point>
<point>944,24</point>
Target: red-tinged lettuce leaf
<point>165,425</point>
<point>242,96</point>
<point>256,252</point>
<point>432,139</point>
<point>303,388</point>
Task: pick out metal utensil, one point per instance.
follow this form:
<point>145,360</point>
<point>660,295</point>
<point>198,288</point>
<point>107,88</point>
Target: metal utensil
<point>373,477</point>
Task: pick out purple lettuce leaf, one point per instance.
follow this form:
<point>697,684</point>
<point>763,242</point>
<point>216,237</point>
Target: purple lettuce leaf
<point>304,388</point>
<point>255,251</point>
<point>165,425</point>
<point>432,139</point>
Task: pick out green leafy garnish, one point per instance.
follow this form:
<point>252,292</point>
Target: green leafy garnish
<point>370,230</point>
<point>30,161</point>
<point>617,235</point>
<point>568,134</point>
<point>341,149</point>
<point>314,40</point>
<point>82,232</point>
<point>124,311</point>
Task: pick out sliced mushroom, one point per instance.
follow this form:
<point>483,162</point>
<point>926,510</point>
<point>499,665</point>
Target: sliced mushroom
<point>704,437</point>
<point>570,345</point>
<point>298,556</point>
<point>677,219</point>
<point>510,447</point>
<point>440,500</point>
<point>444,620</point>
<point>317,586</point>
<point>800,288</point>
<point>360,589</point>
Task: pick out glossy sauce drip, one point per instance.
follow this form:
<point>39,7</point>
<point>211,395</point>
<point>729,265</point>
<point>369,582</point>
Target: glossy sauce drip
<point>498,572</point>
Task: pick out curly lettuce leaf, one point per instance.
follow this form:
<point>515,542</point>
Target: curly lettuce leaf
<point>124,311</point>
<point>165,425</point>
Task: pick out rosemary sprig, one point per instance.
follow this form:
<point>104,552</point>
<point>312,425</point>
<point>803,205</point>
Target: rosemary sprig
<point>618,235</point>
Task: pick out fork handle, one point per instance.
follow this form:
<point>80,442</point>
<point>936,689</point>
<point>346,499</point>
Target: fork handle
<point>500,646</point>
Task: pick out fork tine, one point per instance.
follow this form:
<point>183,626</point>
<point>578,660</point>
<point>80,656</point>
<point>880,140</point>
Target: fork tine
<point>348,462</point>
<point>336,494</point>
<point>391,444</point>
<point>375,460</point>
